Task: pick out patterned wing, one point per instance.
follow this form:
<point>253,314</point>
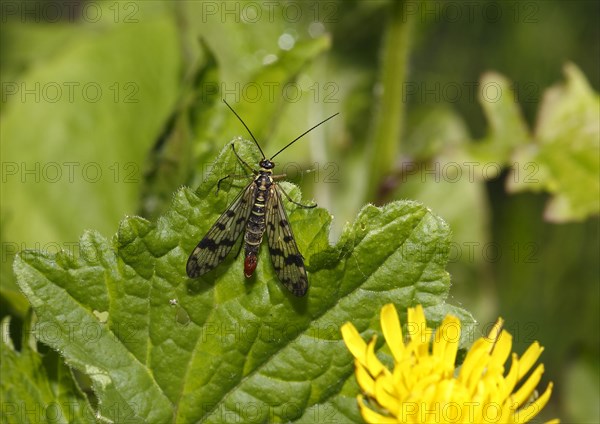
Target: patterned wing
<point>287,260</point>
<point>221,238</point>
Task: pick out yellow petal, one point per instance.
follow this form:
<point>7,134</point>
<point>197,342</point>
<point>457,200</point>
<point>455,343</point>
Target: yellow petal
<point>527,389</point>
<point>390,325</point>
<point>501,350</point>
<point>529,358</point>
<point>384,397</point>
<point>417,326</point>
<point>478,349</point>
<point>420,334</point>
<point>400,382</point>
<point>495,332</point>
<point>364,379</point>
<point>476,360</point>
<point>512,377</point>
<point>445,344</point>
<point>530,411</point>
<point>356,345</point>
<point>443,391</point>
<point>371,416</point>
<point>374,365</point>
<point>507,415</point>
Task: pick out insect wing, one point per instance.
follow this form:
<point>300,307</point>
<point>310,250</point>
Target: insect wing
<point>285,256</point>
<point>221,238</point>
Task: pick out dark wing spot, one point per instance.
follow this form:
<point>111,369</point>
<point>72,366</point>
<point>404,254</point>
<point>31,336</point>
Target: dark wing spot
<point>293,259</point>
<point>221,226</point>
<point>283,223</point>
<point>207,243</point>
<point>275,251</point>
<point>287,239</point>
<point>228,242</point>
<point>230,213</point>
<point>298,288</point>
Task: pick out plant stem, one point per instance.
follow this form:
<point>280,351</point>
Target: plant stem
<point>389,113</point>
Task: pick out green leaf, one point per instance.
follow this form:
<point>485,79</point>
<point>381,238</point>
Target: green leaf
<point>443,176</point>
<point>261,99</point>
<point>507,127</point>
<point>434,130</point>
<point>12,301</point>
<point>171,161</point>
<point>78,123</point>
<point>220,348</point>
<point>566,157</point>
<point>37,388</point>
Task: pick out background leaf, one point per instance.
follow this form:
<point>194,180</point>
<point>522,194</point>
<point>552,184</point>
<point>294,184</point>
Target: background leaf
<point>94,122</point>
<point>564,160</point>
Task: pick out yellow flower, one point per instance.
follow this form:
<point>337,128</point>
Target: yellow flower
<point>424,385</point>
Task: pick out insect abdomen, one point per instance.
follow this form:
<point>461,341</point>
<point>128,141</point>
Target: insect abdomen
<point>256,224</point>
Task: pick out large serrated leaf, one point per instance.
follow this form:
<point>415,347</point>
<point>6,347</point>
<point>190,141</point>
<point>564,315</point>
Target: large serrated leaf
<point>223,348</point>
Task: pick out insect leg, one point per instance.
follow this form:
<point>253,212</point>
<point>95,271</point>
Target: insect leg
<point>242,160</point>
<point>296,203</point>
<point>235,176</point>
<point>219,183</point>
<point>238,177</point>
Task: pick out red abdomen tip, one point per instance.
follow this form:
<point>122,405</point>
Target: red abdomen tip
<point>250,265</point>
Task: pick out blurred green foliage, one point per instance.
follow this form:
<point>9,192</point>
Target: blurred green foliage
<point>109,107</point>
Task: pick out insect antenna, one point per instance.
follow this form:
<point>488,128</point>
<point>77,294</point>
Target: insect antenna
<point>246,126</point>
<point>302,135</point>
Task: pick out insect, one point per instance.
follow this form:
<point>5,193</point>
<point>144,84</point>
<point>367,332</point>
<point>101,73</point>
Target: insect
<point>256,210</point>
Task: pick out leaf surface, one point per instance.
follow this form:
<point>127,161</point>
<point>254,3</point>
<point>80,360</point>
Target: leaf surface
<point>169,349</point>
